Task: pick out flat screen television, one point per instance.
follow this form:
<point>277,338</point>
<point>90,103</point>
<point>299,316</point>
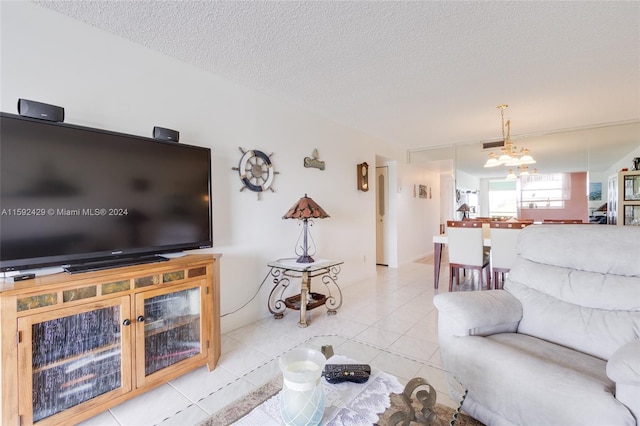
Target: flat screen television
<point>85,198</point>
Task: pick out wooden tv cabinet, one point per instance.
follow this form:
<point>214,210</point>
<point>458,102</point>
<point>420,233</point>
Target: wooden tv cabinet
<point>76,345</point>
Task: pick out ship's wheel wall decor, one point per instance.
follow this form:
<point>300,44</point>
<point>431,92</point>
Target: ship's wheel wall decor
<point>256,171</point>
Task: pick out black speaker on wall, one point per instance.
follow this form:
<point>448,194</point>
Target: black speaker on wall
<point>166,134</point>
<point>33,109</point>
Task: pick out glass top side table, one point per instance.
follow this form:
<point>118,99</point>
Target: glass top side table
<point>284,270</point>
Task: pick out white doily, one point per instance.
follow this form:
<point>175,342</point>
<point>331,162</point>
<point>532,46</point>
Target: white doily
<point>345,403</point>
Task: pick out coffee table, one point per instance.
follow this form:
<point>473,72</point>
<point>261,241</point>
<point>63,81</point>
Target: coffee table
<point>382,397</point>
<point>345,403</point>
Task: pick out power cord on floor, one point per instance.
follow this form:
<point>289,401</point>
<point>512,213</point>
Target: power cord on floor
<point>258,290</point>
<point>250,300</point>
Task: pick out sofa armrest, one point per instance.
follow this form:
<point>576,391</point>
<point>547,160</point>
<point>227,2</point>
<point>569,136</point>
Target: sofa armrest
<point>624,369</point>
<point>624,364</point>
<point>478,313</point>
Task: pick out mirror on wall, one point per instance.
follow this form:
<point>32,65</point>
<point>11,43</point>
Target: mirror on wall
<point>588,157</point>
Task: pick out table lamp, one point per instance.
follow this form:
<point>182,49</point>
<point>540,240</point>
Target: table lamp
<point>464,208</point>
<point>304,209</point>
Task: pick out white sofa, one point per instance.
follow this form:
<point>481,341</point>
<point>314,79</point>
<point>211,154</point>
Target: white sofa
<point>560,345</point>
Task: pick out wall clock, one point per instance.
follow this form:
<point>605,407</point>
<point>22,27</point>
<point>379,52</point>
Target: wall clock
<point>363,177</point>
<point>256,171</point>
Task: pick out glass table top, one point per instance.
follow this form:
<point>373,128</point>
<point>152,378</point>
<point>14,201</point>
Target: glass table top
<point>400,366</point>
<point>291,264</point>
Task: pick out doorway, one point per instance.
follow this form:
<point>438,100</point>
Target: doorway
<point>382,216</point>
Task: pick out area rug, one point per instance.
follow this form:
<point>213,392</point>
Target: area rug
<point>241,407</point>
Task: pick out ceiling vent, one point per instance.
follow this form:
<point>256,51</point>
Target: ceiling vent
<point>493,145</point>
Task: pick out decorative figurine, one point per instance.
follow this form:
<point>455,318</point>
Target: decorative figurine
<point>313,161</point>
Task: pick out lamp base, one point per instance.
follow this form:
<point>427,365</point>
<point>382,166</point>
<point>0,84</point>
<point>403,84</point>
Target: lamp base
<point>305,259</point>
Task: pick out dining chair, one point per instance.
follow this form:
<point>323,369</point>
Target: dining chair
<point>503,248</point>
<point>467,251</point>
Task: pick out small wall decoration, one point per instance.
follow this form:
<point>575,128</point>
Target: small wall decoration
<point>423,192</point>
<point>595,191</point>
<point>313,161</point>
<point>256,171</point>
<point>363,176</point>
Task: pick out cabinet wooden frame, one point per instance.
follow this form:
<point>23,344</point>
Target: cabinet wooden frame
<point>624,202</point>
<point>23,304</point>
<point>25,365</point>
<point>181,367</point>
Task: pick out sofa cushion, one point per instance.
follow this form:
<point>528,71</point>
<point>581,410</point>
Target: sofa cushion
<point>573,295</point>
<point>530,381</point>
<point>583,247</point>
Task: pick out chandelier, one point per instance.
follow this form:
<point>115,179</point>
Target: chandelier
<point>509,155</point>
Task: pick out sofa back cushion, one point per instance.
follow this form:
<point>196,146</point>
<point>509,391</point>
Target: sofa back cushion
<point>579,285</point>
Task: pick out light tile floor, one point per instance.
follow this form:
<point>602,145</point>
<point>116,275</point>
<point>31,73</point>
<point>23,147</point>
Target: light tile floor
<point>388,321</point>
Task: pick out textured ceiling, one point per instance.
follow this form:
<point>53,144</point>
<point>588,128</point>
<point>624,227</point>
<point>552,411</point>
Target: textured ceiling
<point>417,74</point>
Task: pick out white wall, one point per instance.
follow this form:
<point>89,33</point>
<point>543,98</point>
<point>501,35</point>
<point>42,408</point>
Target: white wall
<point>626,162</point>
<point>447,198</point>
<point>418,218</point>
<point>106,82</point>
<point>466,182</point>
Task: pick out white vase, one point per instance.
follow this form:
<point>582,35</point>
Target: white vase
<point>302,396</point>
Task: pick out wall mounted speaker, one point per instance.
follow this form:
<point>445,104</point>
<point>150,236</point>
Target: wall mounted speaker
<point>33,109</point>
<point>166,134</point>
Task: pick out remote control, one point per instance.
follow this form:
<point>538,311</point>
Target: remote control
<point>338,373</point>
<point>23,277</point>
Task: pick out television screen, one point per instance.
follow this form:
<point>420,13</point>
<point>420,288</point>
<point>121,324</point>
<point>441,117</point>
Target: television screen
<point>71,195</point>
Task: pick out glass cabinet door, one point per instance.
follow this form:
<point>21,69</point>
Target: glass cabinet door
<point>612,205</point>
<point>632,188</point>
<point>632,215</point>
<point>169,329</point>
<point>69,356</point>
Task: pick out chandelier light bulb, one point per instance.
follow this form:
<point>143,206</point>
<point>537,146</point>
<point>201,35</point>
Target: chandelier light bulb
<point>526,158</point>
<point>514,162</point>
<point>492,161</point>
<point>505,158</point>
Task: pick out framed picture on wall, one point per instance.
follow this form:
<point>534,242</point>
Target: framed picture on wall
<point>422,191</point>
<point>595,191</point>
